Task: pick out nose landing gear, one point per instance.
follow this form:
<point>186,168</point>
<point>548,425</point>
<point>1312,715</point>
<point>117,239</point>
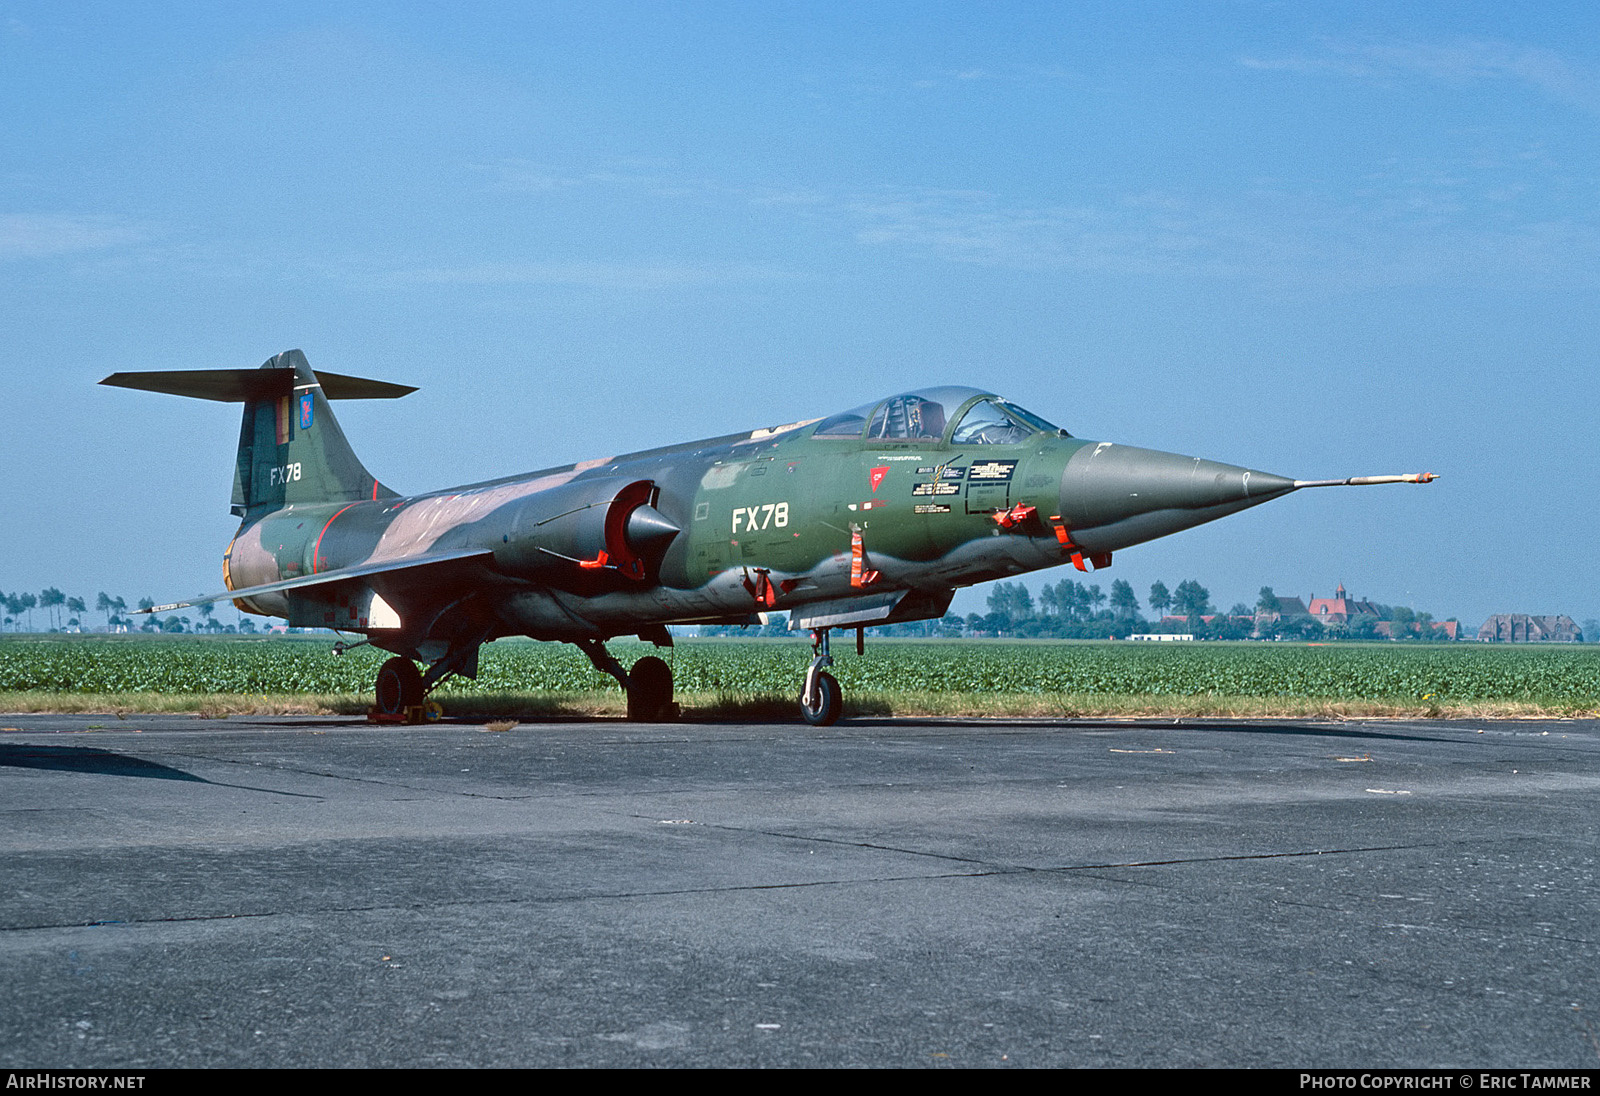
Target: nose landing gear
<point>821,701</point>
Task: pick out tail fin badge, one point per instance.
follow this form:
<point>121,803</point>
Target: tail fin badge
<point>305,410</point>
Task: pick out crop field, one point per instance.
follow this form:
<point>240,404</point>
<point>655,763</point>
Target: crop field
<point>761,677</point>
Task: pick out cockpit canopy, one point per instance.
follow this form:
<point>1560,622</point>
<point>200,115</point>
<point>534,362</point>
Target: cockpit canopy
<point>966,416</point>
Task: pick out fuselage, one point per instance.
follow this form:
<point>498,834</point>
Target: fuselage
<point>772,520</point>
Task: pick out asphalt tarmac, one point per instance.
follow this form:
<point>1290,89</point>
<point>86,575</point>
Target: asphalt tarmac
<point>264,891</point>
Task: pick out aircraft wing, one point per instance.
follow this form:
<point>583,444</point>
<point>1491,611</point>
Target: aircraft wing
<point>343,574</point>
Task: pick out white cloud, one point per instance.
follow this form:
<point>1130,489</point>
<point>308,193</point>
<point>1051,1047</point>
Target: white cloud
<point>1423,223</point>
<point>1392,236</point>
<point>629,275</point>
<point>42,235</point>
<point>1464,61</point>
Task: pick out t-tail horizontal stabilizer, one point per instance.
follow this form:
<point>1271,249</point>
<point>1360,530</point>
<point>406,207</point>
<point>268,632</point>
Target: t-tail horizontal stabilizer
<point>244,385</point>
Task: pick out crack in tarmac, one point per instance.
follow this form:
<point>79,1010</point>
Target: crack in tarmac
<point>998,871</point>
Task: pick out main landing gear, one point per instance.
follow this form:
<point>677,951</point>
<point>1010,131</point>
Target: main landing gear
<point>400,692</point>
<point>648,685</point>
<point>650,691</point>
<point>399,686</point>
<point>822,701</point>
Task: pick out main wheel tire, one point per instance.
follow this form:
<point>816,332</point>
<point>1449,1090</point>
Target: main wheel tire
<point>399,686</point>
<point>830,702</point>
<point>650,691</point>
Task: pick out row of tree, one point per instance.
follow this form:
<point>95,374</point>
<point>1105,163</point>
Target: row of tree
<point>52,601</point>
<point>1072,610</point>
<point>1064,610</point>
<point>70,614</point>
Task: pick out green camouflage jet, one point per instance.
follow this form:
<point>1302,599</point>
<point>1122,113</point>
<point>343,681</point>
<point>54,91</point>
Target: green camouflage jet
<point>871,516</point>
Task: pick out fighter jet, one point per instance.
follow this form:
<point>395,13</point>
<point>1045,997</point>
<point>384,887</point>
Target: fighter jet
<point>875,515</point>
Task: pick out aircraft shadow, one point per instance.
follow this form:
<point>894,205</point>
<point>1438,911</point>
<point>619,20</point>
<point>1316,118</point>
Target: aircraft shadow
<point>87,759</point>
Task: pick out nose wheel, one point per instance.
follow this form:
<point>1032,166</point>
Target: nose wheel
<point>823,708</point>
<point>821,701</point>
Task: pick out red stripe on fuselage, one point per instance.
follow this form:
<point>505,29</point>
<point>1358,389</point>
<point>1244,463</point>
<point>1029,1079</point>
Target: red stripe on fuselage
<point>318,546</point>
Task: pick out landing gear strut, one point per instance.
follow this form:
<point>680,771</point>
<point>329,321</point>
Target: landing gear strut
<point>649,686</point>
<point>822,700</point>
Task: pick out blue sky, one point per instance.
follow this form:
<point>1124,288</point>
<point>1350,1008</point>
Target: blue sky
<point>1318,239</point>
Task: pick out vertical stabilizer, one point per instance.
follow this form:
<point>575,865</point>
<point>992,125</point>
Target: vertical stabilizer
<point>291,449</point>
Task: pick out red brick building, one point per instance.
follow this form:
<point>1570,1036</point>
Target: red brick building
<point>1341,608</point>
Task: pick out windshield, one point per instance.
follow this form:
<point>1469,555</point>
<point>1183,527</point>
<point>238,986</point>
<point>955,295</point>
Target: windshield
<point>1031,419</point>
<point>925,415</point>
<point>911,416</point>
<point>995,422</point>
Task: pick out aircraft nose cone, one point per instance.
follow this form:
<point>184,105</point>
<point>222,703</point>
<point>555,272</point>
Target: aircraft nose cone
<point>648,531</point>
<point>1144,493</point>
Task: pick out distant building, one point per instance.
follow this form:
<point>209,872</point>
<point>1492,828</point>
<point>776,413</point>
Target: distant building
<point>1283,608</point>
<point>1340,608</point>
<point>1343,615</point>
<point>1522,628</point>
<point>1290,607</point>
<point>1280,615</point>
<point>1437,629</point>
